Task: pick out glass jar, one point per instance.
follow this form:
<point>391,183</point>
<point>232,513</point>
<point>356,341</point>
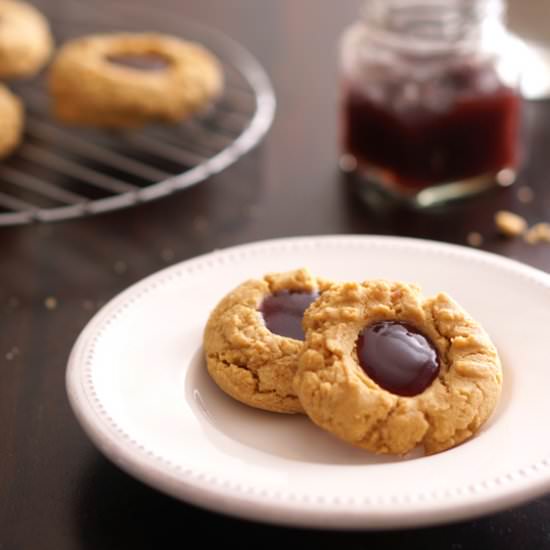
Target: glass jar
<point>430,109</point>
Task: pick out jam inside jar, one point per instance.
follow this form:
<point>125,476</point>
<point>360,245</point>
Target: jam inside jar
<point>429,110</point>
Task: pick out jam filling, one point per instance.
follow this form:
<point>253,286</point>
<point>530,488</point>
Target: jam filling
<point>141,62</point>
<point>397,357</point>
<point>283,312</point>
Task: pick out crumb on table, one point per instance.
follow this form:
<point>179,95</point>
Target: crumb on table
<point>510,224</point>
<point>50,302</point>
<point>474,238</point>
<point>540,232</point>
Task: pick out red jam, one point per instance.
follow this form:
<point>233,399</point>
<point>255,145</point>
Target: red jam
<point>140,62</point>
<point>283,312</point>
<point>397,357</point>
<point>463,127</point>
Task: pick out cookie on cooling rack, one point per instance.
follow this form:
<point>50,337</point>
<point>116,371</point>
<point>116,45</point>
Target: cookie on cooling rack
<point>254,336</point>
<point>11,121</point>
<point>128,79</point>
<point>25,39</point>
<point>386,369</point>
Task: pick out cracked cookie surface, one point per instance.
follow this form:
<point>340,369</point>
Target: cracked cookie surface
<point>247,360</point>
<point>338,395</point>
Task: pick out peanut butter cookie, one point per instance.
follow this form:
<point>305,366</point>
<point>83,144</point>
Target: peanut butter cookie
<point>254,335</point>
<point>11,121</point>
<point>387,369</point>
<point>126,80</point>
<point>25,39</point>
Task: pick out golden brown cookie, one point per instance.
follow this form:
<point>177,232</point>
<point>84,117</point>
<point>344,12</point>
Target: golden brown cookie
<point>25,39</point>
<point>98,80</point>
<point>249,361</point>
<point>11,121</point>
<point>389,331</point>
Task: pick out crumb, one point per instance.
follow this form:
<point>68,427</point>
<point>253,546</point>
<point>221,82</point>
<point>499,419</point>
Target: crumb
<point>88,305</point>
<point>540,232</point>
<point>200,224</point>
<point>12,354</point>
<point>50,302</point>
<point>474,239</point>
<point>510,224</point>
<point>525,194</point>
<point>167,254</point>
<point>120,267</point>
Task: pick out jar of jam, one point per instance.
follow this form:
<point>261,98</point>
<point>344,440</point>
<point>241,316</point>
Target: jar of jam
<point>430,110</point>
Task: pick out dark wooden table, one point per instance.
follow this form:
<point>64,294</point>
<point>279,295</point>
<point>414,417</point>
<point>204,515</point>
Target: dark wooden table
<point>56,490</point>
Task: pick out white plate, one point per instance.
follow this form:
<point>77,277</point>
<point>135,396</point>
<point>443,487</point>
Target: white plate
<point>137,383</point>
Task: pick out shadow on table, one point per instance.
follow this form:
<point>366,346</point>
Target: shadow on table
<point>115,511</point>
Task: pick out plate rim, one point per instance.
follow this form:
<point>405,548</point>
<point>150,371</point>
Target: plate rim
<point>397,513</point>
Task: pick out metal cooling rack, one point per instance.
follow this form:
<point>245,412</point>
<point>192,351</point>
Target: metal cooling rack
<point>61,172</point>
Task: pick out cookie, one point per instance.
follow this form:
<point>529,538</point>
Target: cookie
<point>387,369</point>
<point>11,121</point>
<point>126,80</point>
<point>25,39</point>
<point>253,338</point>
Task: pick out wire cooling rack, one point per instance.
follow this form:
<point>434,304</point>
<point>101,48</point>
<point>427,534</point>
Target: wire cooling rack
<point>60,172</point>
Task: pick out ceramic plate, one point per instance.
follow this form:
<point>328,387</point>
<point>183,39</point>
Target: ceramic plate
<point>137,383</point>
